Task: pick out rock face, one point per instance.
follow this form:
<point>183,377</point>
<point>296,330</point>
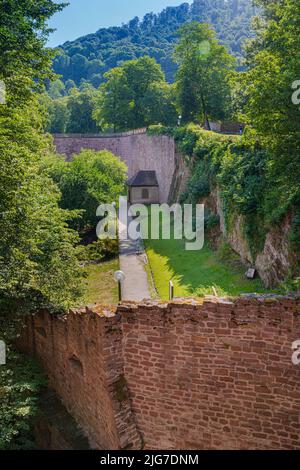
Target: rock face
<point>181,175</point>
<point>273,263</point>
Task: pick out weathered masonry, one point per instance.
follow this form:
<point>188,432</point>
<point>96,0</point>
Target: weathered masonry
<point>186,375</point>
<point>139,151</point>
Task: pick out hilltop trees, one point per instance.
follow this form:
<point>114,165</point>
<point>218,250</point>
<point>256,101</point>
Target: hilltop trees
<point>70,109</point>
<point>203,77</point>
<point>80,108</point>
<point>135,95</point>
<point>90,57</point>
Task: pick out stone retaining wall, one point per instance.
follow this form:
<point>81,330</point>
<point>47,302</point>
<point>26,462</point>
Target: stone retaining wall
<point>185,375</point>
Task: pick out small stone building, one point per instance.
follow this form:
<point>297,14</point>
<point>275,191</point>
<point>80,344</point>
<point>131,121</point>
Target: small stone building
<point>143,188</point>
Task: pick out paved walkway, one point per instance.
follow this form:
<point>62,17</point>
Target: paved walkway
<point>132,263</point>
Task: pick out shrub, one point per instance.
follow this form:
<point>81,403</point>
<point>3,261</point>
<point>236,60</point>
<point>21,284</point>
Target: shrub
<point>91,179</point>
<point>100,250</point>
<point>21,381</point>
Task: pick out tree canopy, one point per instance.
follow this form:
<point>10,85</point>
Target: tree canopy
<point>90,57</point>
<point>202,81</point>
<point>38,256</point>
<point>24,60</point>
<point>90,179</point>
<point>135,95</point>
<point>269,107</point>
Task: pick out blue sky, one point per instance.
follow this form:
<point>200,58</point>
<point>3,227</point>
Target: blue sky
<point>87,16</point>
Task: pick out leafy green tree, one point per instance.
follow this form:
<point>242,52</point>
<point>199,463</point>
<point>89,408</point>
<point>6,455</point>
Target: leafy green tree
<point>58,114</point>
<point>159,104</point>
<point>91,179</point>
<point>37,255</point>
<point>135,95</point>
<point>57,89</point>
<point>70,84</point>
<point>38,258</point>
<point>24,60</point>
<point>112,102</point>
<point>140,75</point>
<point>80,106</point>
<point>202,83</point>
<point>270,109</point>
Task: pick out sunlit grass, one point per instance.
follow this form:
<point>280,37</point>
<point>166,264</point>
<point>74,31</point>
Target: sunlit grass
<point>100,285</point>
<point>195,273</point>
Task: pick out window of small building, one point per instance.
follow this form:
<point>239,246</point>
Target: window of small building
<point>145,193</point>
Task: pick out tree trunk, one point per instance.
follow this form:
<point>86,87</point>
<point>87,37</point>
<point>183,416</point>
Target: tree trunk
<point>206,120</point>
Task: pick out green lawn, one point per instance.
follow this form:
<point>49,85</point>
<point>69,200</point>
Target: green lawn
<point>100,285</point>
<point>195,273</point>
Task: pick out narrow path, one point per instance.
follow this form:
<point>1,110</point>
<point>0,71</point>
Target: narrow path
<point>132,263</point>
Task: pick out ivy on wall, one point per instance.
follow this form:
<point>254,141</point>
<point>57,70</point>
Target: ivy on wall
<point>242,170</point>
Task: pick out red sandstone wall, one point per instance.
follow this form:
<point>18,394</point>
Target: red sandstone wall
<point>138,150</point>
<point>181,376</point>
<point>82,355</point>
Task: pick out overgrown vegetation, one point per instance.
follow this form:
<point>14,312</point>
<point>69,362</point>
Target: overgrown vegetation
<point>21,381</point>
<point>90,179</point>
<point>242,170</point>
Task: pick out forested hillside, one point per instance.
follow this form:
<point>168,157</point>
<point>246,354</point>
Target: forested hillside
<point>89,57</point>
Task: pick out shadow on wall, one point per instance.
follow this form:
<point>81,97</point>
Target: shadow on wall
<point>166,376</point>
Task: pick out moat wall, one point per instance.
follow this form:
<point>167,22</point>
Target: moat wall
<point>159,153</point>
<point>138,150</point>
<point>216,375</point>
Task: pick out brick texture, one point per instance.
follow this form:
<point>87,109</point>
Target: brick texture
<point>216,375</point>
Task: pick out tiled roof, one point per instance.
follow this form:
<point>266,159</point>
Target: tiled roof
<point>143,178</point>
